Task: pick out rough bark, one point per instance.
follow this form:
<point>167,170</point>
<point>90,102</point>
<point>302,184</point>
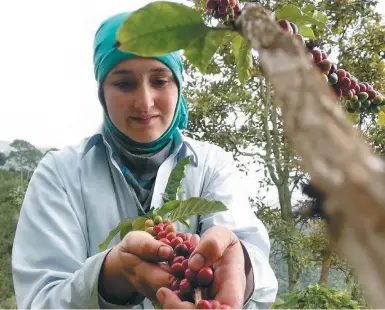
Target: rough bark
<point>326,264</point>
<point>335,155</point>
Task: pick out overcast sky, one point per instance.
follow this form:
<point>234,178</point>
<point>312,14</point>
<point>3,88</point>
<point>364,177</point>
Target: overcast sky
<point>48,92</point>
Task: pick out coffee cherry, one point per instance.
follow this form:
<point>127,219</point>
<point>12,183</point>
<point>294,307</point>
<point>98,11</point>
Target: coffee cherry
<point>205,276</point>
<point>175,285</point>
<point>317,56</point>
<point>161,235</point>
<point>204,304</point>
<point>165,241</point>
<point>150,230</point>
<point>158,229</point>
<point>175,242</point>
<point>222,9</point>
<point>178,259</point>
<point>182,250</point>
<point>158,219</point>
<point>177,270</point>
<point>341,73</point>
<point>182,235</point>
<point>191,275</point>
<point>344,83</point>
<point>224,3</point>
<point>371,93</point>
<point>170,235</point>
<point>170,228</point>
<point>149,223</point>
<point>185,263</point>
<point>211,5</point>
<point>185,286</point>
<point>191,249</point>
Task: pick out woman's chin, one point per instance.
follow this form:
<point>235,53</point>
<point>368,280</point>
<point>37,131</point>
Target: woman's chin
<point>144,139</point>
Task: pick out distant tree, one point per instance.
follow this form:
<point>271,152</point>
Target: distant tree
<point>3,159</point>
<point>25,155</point>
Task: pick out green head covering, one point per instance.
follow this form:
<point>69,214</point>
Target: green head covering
<point>106,56</point>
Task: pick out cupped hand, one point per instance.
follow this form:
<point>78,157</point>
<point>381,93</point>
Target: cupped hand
<point>134,266</point>
<point>219,247</point>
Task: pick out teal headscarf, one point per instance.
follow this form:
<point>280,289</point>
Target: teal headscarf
<point>106,56</point>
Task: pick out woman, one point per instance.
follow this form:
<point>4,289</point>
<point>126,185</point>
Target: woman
<point>80,193</point>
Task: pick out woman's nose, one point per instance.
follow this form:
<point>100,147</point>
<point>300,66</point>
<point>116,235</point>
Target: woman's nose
<point>144,99</point>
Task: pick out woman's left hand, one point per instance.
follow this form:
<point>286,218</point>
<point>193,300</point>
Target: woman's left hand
<point>219,247</point>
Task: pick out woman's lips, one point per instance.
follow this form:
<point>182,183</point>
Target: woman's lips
<point>144,120</point>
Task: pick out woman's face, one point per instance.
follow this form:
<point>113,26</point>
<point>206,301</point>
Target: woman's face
<point>141,95</point>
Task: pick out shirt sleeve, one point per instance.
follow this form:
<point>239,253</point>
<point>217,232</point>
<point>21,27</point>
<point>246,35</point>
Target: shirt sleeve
<point>50,264</point>
<point>223,183</point>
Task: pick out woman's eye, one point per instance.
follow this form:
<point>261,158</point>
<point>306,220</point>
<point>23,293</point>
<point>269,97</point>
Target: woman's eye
<point>160,82</point>
<point>124,85</point>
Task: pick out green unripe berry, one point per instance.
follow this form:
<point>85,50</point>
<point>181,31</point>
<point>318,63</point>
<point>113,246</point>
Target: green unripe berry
<point>150,230</point>
<point>158,219</point>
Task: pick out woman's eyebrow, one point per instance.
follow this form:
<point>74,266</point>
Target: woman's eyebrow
<point>127,72</point>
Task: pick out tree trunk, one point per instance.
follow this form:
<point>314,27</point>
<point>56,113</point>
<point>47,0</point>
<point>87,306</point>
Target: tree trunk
<point>287,215</point>
<point>340,162</point>
<point>326,264</point>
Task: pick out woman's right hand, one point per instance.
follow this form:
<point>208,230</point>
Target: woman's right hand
<point>133,266</point>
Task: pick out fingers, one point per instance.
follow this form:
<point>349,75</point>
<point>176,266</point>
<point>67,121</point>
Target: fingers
<point>170,300</point>
<point>144,246</point>
<point>230,278</point>
<point>211,247</point>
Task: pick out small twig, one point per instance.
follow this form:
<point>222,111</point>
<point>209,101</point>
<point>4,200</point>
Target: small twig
<point>197,295</point>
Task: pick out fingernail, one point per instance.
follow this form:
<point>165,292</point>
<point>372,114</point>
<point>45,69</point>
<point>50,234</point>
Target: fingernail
<point>160,296</point>
<point>196,262</point>
<point>164,251</point>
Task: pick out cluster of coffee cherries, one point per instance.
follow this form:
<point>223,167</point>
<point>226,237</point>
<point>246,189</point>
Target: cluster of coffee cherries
<point>224,10</point>
<point>358,96</point>
<point>192,286</point>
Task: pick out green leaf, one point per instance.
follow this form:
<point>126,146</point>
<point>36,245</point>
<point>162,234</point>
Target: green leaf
<point>168,207</point>
<point>125,230</point>
<point>307,19</point>
<point>322,17</point>
<point>381,118</point>
<point>184,222</point>
<point>173,27</point>
<point>353,117</point>
<point>175,178</point>
<point>306,31</point>
<point>201,50</point>
<point>124,225</point>
<point>243,57</point>
<point>288,11</point>
<point>196,206</point>
<point>309,8</point>
<point>138,223</point>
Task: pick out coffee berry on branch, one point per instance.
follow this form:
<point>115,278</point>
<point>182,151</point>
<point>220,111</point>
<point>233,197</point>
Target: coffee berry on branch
<point>189,285</point>
<point>358,96</point>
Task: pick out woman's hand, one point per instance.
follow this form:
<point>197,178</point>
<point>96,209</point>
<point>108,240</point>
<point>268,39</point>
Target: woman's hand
<point>221,248</point>
<point>133,266</point>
